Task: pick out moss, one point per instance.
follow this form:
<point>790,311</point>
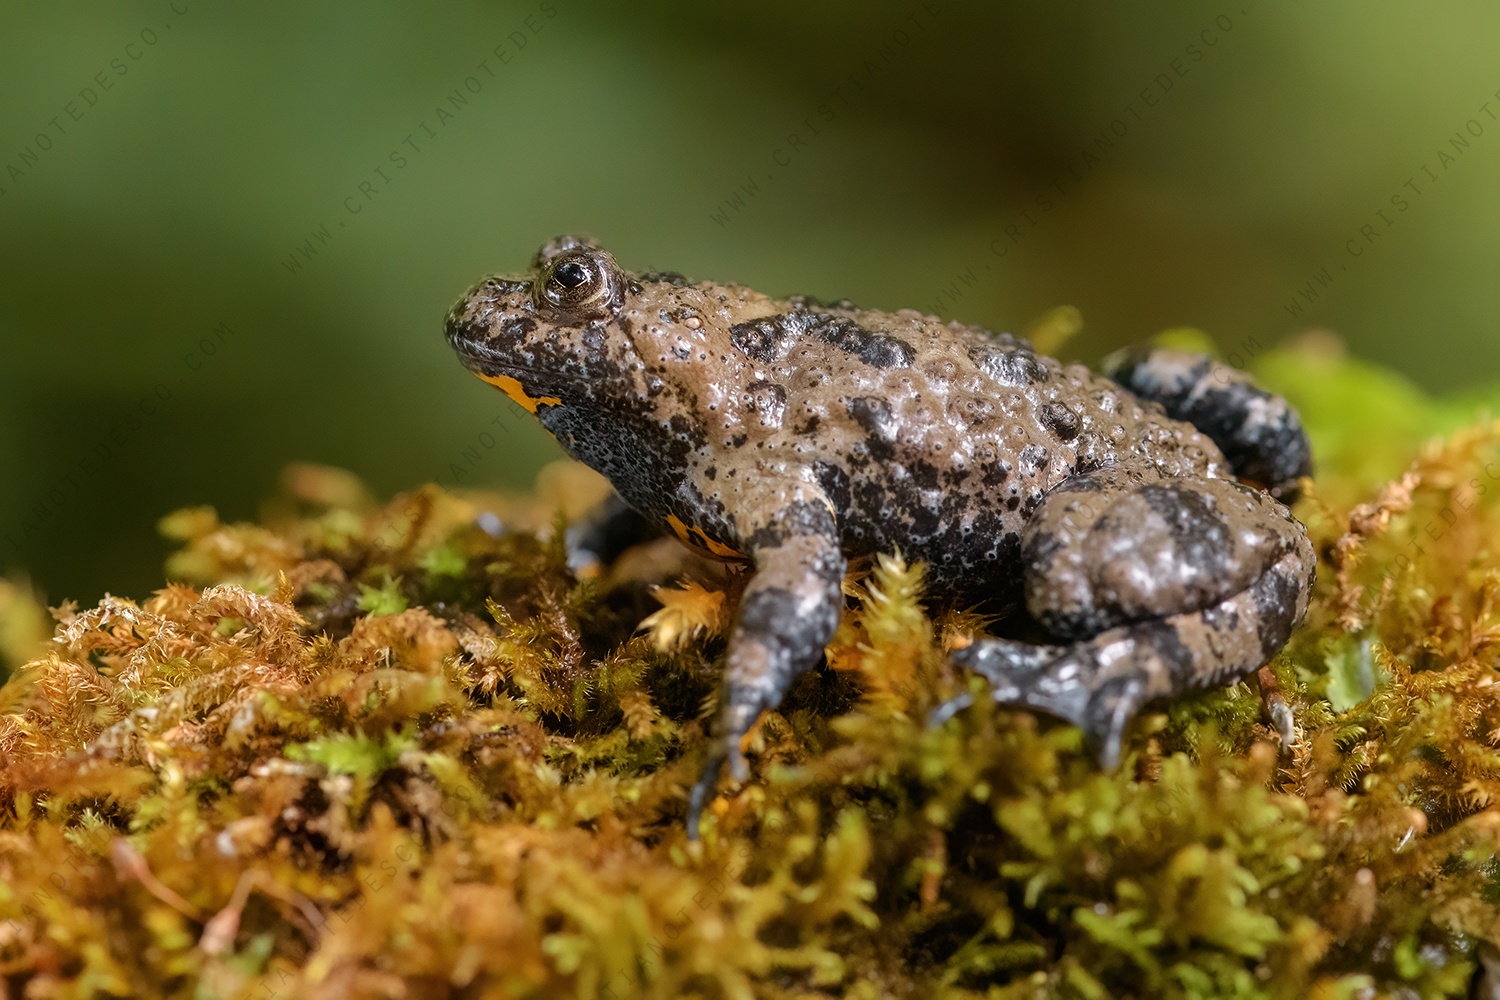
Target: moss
<point>24,626</point>
<point>369,749</point>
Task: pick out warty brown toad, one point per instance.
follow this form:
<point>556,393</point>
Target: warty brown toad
<point>793,435</point>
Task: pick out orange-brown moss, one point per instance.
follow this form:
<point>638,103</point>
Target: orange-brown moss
<point>370,750</point>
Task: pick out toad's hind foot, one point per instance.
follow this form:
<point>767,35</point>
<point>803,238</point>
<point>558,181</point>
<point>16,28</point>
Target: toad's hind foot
<point>1099,684</point>
<point>1060,681</point>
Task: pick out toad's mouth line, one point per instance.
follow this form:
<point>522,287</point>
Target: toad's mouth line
<point>513,379</point>
<point>489,367</point>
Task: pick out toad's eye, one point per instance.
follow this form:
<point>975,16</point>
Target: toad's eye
<point>581,283</point>
<point>570,274</point>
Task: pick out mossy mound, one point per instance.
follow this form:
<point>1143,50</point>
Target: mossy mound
<point>403,750</point>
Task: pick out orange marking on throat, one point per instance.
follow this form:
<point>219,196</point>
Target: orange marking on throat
<point>512,387</point>
<point>699,539</point>
<point>678,528</point>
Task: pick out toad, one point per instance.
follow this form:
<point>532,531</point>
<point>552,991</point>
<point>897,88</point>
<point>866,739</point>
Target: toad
<point>1138,517</point>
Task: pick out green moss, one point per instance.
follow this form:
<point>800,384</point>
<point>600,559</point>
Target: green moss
<point>366,750</point>
<point>385,599</point>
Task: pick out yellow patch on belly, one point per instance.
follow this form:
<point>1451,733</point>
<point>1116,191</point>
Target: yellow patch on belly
<point>697,538</point>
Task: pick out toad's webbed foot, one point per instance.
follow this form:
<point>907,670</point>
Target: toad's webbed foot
<point>1161,585</point>
<point>1060,681</point>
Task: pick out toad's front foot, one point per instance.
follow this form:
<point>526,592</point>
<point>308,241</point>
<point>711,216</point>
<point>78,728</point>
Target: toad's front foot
<point>724,747</point>
<point>703,790</point>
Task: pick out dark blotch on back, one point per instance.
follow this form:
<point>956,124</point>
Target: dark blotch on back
<point>766,340</point>
<point>1032,459</point>
<point>874,415</point>
<point>769,400</point>
<point>924,474</point>
<point>1013,366</point>
<point>847,335</point>
<point>887,352</point>
<point>1060,420</point>
<point>840,332</point>
<point>995,474</point>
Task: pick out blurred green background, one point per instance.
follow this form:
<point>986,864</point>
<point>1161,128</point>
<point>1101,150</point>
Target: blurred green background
<point>230,233</point>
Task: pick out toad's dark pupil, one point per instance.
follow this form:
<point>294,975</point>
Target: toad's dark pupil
<point>570,274</point>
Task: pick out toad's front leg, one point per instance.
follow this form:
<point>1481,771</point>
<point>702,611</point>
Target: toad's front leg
<point>789,612</point>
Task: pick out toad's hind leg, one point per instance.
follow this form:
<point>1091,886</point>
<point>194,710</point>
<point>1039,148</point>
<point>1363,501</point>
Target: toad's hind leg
<point>1260,433</point>
<point>1152,586</point>
<point>601,535</point>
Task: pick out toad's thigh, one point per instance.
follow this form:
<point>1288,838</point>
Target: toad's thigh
<point>1126,544</point>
